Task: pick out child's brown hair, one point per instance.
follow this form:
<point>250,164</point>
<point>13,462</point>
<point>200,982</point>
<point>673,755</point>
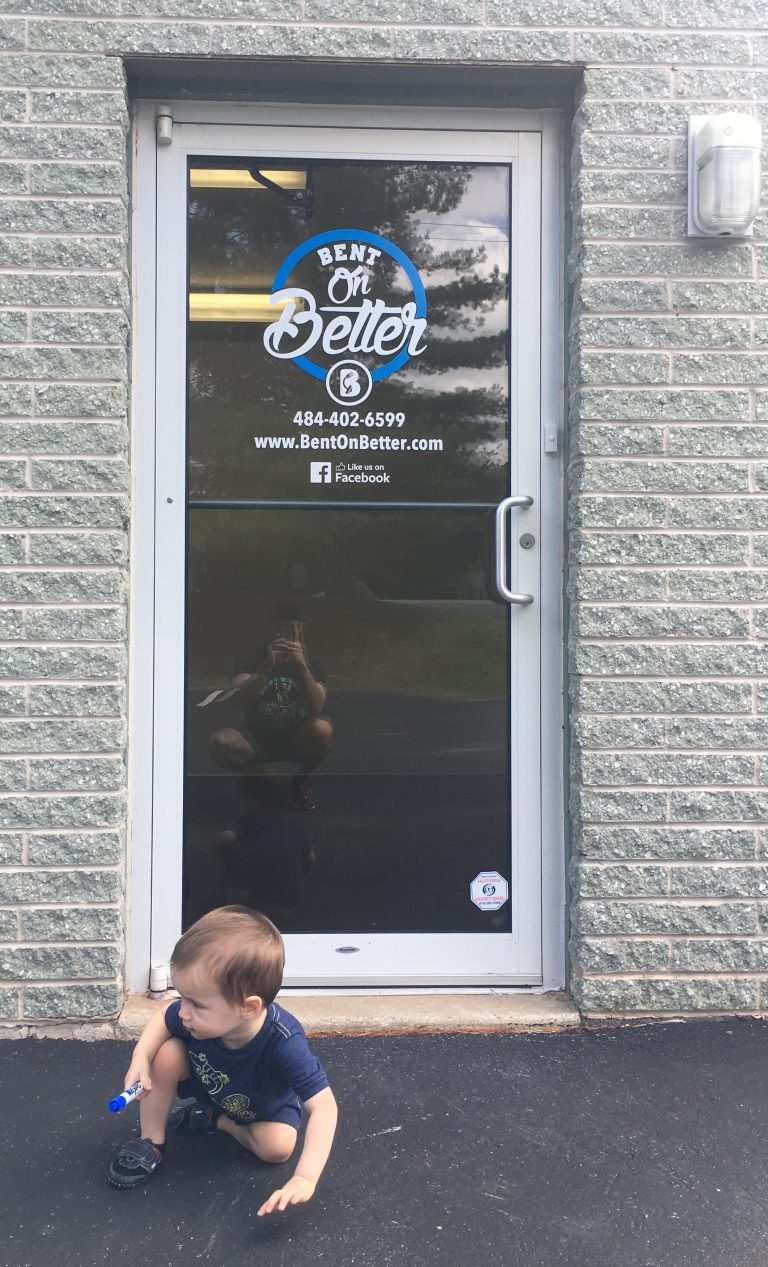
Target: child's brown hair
<point>240,950</point>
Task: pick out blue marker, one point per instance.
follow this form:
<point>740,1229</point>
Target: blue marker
<point>127,1097</point>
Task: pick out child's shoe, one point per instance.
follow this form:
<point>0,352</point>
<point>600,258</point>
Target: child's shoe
<point>195,1118</point>
<point>302,795</point>
<point>136,1162</point>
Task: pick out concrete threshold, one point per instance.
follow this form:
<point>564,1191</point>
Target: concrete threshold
<point>326,1015</point>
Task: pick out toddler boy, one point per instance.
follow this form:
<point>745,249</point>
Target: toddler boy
<point>227,1043</point>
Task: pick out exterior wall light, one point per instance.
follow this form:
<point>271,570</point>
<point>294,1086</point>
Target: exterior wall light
<point>723,175</point>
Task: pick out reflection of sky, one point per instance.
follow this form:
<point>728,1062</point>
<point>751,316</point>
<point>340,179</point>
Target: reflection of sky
<point>481,219</point>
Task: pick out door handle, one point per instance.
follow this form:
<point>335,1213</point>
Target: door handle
<point>502,510</point>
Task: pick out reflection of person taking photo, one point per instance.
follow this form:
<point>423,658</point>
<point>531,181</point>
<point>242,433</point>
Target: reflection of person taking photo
<point>283,693</point>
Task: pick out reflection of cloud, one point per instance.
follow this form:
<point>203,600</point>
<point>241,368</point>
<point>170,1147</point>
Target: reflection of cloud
<point>494,242</point>
<point>486,453</point>
<point>486,197</point>
<point>467,378</point>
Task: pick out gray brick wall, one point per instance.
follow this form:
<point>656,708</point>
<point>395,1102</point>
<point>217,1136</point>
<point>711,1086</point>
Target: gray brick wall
<point>668,476</point>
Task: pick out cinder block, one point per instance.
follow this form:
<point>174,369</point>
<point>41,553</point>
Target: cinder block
<point>618,512</point>
<point>83,475</point>
<point>671,995</point>
<point>13,176</point>
<point>31,735</point>
<point>73,586</point>
<point>660,477</point>
<point>617,660</point>
<point>424,12</point>
<point>710,296</point>
<point>673,769</point>
<point>588,806</point>
<point>669,842</point>
<point>592,880</point>
<point>746,513</point>
<point>719,881</point>
<point>84,774</point>
<point>84,511</point>
<point>71,924</point>
<point>667,918</point>
<point>610,585</point>
<point>98,401</point>
<point>80,624</point>
<point>77,701</point>
<point>615,439</point>
<point>63,291</point>
<point>617,732</point>
<point>9,926</point>
<point>11,848</point>
<point>719,807</point>
<point>654,549</point>
<point>47,887</point>
<point>721,732</point>
<point>602,295</point>
<point>33,811</point>
<point>628,82</point>
<point>75,849</point>
<point>489,45</point>
<point>613,954</point>
<point>59,436</point>
<point>619,367</point>
<point>63,1002</point>
<point>37,142</point>
<point>63,106</point>
<point>663,697</point>
<point>702,955</point>
<point>63,215</point>
<point>649,48</point>
<point>636,621</point>
<point>61,71</point>
<point>78,548</point>
<point>62,662</point>
<point>51,963</point>
<point>79,179</point>
<point>730,585</point>
<point>664,332</point>
<point>80,327</point>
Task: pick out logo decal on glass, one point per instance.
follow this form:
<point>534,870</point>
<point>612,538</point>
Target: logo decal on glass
<point>320,473</point>
<point>489,890</point>
<point>349,317</point>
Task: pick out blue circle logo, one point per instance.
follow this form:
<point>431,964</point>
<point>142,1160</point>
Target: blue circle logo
<point>349,320</point>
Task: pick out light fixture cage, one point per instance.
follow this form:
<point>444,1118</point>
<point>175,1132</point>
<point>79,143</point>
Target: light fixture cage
<point>723,175</point>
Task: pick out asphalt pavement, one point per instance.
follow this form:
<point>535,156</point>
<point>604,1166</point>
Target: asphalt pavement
<point>625,1147</point>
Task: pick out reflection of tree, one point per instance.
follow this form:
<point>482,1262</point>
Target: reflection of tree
<point>238,239</point>
<point>353,565</point>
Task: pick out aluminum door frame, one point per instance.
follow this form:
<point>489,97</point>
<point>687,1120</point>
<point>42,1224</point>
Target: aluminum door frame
<point>159,467</point>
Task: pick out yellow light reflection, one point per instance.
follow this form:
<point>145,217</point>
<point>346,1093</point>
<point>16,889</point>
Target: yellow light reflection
<point>239,178</point>
<point>240,307</point>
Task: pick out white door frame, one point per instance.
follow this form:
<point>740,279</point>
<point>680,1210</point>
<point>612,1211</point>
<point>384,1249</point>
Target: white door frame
<point>159,493</point>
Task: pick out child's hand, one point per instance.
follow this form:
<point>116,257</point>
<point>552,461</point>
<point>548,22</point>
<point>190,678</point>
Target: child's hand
<point>139,1072</point>
<point>295,1191</point>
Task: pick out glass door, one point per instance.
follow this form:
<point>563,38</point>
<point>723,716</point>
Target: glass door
<point>359,694</point>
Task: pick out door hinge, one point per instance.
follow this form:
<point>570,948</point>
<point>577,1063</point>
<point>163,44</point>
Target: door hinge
<point>164,125</point>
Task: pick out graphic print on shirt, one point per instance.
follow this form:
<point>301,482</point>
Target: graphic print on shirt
<point>212,1079</point>
<point>238,1106</point>
<point>282,704</point>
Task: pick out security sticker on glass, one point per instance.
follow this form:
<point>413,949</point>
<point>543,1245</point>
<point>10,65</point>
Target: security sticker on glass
<point>489,890</point>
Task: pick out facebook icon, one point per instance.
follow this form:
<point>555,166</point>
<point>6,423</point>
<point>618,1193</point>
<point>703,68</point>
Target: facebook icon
<point>320,473</point>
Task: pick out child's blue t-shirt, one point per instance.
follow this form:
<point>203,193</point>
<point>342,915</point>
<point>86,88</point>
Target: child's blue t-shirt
<point>263,1081</point>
